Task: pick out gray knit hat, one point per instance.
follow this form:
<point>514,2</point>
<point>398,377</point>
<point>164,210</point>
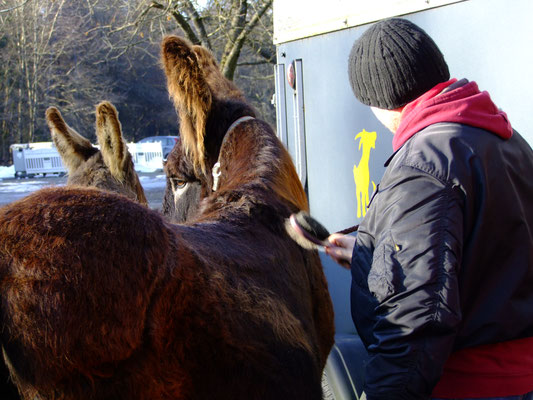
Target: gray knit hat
<point>393,63</point>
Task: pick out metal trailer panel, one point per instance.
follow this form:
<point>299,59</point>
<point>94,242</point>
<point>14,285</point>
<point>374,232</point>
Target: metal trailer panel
<point>18,160</point>
<point>36,158</point>
<point>42,161</point>
<point>297,19</point>
<point>487,41</point>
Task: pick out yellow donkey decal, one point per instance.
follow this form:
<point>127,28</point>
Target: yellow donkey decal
<point>361,171</point>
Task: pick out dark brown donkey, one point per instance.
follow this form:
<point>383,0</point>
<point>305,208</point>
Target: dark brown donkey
<point>110,168</point>
<point>103,299</point>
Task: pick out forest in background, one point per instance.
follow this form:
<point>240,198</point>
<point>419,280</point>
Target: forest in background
<point>72,54</point>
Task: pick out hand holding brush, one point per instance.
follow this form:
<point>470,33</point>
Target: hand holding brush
<point>311,234</point>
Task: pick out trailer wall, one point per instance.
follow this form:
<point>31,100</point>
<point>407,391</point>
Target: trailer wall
<point>488,41</point>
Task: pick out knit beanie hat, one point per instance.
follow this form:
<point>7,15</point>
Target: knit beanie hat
<point>393,63</point>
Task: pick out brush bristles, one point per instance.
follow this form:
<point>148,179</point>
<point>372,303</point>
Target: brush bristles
<point>298,238</point>
<point>306,231</point>
<point>311,226</point>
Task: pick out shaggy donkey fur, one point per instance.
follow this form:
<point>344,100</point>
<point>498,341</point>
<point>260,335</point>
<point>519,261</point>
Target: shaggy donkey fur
<point>103,299</point>
<point>110,168</point>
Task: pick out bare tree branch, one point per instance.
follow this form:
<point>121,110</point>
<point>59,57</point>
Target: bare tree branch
<point>73,54</point>
<point>238,23</point>
<point>14,7</point>
<point>180,19</point>
<point>266,54</point>
<point>230,64</point>
<point>198,24</point>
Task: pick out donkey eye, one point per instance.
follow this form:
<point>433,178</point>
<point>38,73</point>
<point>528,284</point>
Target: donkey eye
<point>178,183</point>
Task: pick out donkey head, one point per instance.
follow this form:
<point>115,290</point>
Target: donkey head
<point>110,168</point>
<point>207,104</point>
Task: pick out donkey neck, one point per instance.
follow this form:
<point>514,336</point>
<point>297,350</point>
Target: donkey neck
<point>223,114</point>
<point>232,126</point>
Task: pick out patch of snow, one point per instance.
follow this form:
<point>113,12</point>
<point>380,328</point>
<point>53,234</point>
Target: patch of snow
<point>7,172</point>
<point>147,169</point>
<point>23,186</point>
<point>153,181</point>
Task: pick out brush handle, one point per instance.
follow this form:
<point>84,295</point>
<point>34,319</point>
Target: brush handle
<point>349,230</point>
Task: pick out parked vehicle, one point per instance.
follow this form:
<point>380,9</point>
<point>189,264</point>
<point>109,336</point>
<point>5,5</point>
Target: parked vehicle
<point>330,134</point>
<point>167,143</point>
<point>32,159</point>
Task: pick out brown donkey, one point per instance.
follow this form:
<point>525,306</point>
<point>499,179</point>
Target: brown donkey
<point>110,168</point>
<point>103,299</point>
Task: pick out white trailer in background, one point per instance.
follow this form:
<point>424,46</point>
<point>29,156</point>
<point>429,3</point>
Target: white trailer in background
<point>32,159</point>
<point>146,156</point>
<point>329,133</point>
<point>42,158</point>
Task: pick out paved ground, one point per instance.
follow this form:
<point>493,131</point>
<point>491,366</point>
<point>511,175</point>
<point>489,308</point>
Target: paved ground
<point>14,189</point>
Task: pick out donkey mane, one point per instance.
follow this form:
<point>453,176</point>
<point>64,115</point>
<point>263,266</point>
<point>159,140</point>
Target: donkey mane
<point>271,170</point>
<point>223,88</point>
<point>187,74</point>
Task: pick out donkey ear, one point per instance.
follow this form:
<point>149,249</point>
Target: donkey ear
<point>109,133</point>
<point>191,94</point>
<point>220,86</point>
<point>71,146</point>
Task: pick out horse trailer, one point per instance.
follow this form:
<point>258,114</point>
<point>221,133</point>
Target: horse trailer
<point>42,158</point>
<point>32,159</point>
<point>338,146</point>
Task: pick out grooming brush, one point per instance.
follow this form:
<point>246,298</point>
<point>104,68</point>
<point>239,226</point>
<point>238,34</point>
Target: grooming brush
<point>308,232</point>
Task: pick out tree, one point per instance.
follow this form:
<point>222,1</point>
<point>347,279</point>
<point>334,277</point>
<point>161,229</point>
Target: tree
<point>73,54</point>
<point>238,32</point>
<point>41,64</point>
<point>229,21</point>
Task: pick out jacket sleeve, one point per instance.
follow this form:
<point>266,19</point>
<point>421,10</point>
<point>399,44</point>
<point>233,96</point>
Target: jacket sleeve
<point>405,277</point>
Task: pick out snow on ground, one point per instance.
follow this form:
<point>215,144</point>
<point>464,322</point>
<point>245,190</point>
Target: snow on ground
<point>22,186</point>
<point>147,168</point>
<point>153,181</point>
<point>11,189</point>
<point>7,172</point>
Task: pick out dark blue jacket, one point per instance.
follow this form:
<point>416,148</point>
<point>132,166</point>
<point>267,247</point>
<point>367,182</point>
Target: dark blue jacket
<point>444,257</point>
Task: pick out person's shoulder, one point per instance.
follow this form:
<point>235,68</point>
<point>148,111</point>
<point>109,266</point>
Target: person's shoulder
<point>441,150</point>
<point>439,136</point>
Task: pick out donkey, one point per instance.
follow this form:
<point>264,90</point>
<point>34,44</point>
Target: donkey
<point>103,298</point>
<point>110,168</point>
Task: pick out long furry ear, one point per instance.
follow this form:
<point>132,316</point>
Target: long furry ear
<point>109,133</point>
<point>71,146</point>
<point>221,87</point>
<point>191,94</point>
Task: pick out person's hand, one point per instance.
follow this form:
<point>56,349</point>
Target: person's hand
<point>341,249</point>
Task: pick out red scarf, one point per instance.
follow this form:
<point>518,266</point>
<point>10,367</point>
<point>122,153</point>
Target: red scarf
<point>464,105</point>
